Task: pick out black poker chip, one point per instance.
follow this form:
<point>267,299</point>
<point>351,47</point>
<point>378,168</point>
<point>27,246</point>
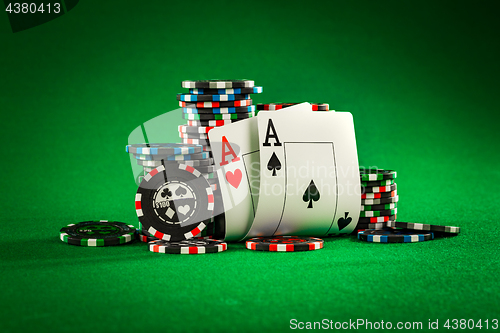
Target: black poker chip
<point>174,202</point>
<point>395,236</point>
<point>218,84</point>
<point>284,244</point>
<point>424,227</point>
<point>97,233</point>
<point>188,246</point>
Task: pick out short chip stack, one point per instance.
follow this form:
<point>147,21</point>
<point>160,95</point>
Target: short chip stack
<point>379,199</point>
<point>171,156</point>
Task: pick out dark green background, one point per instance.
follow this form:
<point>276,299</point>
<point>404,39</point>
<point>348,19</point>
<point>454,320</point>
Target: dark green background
<point>420,78</point>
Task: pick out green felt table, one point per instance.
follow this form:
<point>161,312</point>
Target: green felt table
<point>421,80</point>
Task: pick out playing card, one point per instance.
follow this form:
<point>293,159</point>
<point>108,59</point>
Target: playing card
<point>309,173</point>
<point>235,148</point>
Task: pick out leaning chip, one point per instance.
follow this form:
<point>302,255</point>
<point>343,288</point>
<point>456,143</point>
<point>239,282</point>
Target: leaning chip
<point>189,246</point>
<point>97,233</point>
<point>426,227</point>
<point>173,202</point>
<point>284,244</point>
<point>395,236</point>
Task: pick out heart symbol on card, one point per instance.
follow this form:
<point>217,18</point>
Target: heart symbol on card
<point>234,178</point>
<point>183,209</point>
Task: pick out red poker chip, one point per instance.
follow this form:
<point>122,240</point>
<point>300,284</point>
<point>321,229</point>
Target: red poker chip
<point>284,244</point>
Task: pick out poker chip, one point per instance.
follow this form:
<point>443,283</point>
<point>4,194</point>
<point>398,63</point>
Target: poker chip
<point>98,233</point>
<point>226,110</point>
<point>380,201</point>
<point>199,105</point>
<point>378,207</point>
<point>225,116</point>
<point>206,169</point>
<point>193,135</point>
<point>195,163</point>
<point>279,106</point>
<point>194,129</point>
<point>173,202</point>
<point>395,236</point>
<point>162,149</point>
<point>196,141</point>
<point>376,174</point>
<point>378,189</point>
<point>284,244</point>
<point>424,227</point>
<point>377,219</point>
<point>378,182</point>
<point>230,91</point>
<point>218,84</point>
<point>196,156</point>
<point>214,98</point>
<point>377,213</point>
<point>378,195</point>
<point>375,226</point>
<point>144,236</point>
<point>189,246</point>
<point>211,123</point>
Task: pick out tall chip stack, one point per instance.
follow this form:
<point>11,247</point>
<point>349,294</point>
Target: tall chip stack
<point>209,104</point>
<point>379,199</point>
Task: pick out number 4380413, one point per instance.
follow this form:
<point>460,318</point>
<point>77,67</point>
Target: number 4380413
<point>32,8</point>
<point>471,324</point>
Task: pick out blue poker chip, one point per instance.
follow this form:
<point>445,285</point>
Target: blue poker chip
<point>213,98</point>
<point>242,109</point>
<point>230,91</point>
<point>181,157</point>
<point>395,236</point>
<point>163,148</point>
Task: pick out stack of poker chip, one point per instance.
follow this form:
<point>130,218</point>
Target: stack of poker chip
<point>214,103</point>
<point>191,156</point>
<point>279,106</point>
<point>379,199</point>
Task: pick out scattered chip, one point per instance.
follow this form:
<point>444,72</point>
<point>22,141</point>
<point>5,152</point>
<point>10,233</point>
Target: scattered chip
<point>395,236</point>
<point>284,244</point>
<point>98,233</point>
<point>189,246</point>
<point>426,227</point>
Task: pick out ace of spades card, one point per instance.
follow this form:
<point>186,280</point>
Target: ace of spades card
<point>309,173</point>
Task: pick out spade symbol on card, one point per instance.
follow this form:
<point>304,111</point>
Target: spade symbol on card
<point>311,194</point>
<point>274,164</point>
<point>344,221</point>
